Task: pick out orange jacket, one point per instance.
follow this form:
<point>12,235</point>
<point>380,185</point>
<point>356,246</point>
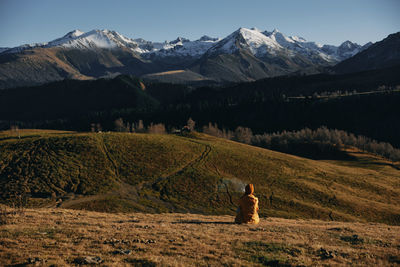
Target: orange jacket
<point>248,207</point>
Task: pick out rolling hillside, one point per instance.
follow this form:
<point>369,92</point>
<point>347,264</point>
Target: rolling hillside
<point>116,172</point>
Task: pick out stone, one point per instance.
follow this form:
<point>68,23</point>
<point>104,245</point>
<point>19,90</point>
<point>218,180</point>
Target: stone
<point>88,260</point>
<point>325,254</point>
<point>123,251</point>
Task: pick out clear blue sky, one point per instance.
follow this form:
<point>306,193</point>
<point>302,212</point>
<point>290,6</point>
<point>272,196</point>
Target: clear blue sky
<point>323,21</point>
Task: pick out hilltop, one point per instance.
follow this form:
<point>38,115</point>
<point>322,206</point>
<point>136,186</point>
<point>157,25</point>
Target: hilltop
<point>122,172</point>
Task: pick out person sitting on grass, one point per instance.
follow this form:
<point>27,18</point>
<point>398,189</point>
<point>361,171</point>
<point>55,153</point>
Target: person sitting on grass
<point>248,207</point>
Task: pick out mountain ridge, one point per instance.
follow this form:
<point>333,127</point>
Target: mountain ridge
<point>244,55</point>
<point>110,39</point>
<point>379,55</point>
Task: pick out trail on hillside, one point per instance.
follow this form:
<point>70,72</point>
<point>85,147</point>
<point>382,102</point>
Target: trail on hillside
<point>108,156</point>
<point>78,199</point>
<point>195,163</point>
<point>129,191</point>
<point>199,159</point>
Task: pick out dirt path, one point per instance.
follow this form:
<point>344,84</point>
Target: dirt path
<point>123,189</point>
<point>108,155</point>
<point>126,190</point>
<point>202,157</point>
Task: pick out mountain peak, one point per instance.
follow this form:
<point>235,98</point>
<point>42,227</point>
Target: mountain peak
<point>180,40</point>
<point>206,38</point>
<point>74,34</point>
<point>249,39</point>
<point>348,46</point>
<point>275,31</point>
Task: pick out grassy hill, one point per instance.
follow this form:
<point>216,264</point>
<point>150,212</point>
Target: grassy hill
<point>61,237</point>
<point>125,172</point>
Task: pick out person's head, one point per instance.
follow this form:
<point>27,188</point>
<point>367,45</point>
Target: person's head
<point>249,189</point>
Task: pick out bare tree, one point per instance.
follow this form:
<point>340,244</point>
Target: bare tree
<point>15,128</point>
<point>140,127</point>
<point>191,123</point>
<point>243,135</point>
<point>119,125</point>
<point>157,128</point>
<point>98,127</point>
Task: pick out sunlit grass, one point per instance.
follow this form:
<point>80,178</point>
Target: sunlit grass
<point>198,173</point>
<point>60,237</point>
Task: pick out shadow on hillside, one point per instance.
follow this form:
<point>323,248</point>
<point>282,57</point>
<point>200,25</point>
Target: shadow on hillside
<point>200,222</point>
<point>370,161</point>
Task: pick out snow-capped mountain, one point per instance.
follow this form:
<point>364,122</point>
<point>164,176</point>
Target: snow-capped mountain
<point>184,47</point>
<point>112,40</point>
<point>243,38</point>
<point>272,43</point>
<point>258,42</point>
<point>244,55</point>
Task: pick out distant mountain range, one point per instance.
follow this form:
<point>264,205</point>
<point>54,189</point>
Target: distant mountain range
<point>244,55</point>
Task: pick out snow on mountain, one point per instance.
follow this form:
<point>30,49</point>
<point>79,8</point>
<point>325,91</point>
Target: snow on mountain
<point>112,40</point>
<point>315,51</point>
<point>257,42</point>
<point>262,43</point>
<point>243,38</point>
<point>68,37</point>
<point>185,47</point>
<point>348,49</point>
<point>95,39</point>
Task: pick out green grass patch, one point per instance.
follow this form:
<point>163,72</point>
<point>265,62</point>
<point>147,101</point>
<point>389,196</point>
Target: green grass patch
<point>268,254</point>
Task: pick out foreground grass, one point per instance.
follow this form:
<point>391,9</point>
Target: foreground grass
<point>61,237</point>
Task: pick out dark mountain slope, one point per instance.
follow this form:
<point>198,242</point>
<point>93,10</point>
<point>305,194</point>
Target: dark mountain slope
<point>274,104</point>
<point>383,54</point>
<point>42,65</point>
<point>70,98</point>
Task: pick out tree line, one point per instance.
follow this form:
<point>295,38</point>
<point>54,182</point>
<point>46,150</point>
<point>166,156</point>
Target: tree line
<point>319,143</point>
<point>139,127</point>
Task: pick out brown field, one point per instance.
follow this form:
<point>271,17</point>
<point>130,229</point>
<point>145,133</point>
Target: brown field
<point>61,237</point>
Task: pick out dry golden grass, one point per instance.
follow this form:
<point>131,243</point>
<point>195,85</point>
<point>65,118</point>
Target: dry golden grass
<point>123,172</point>
<point>58,237</point>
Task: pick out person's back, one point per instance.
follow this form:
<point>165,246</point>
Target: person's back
<point>248,207</point>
